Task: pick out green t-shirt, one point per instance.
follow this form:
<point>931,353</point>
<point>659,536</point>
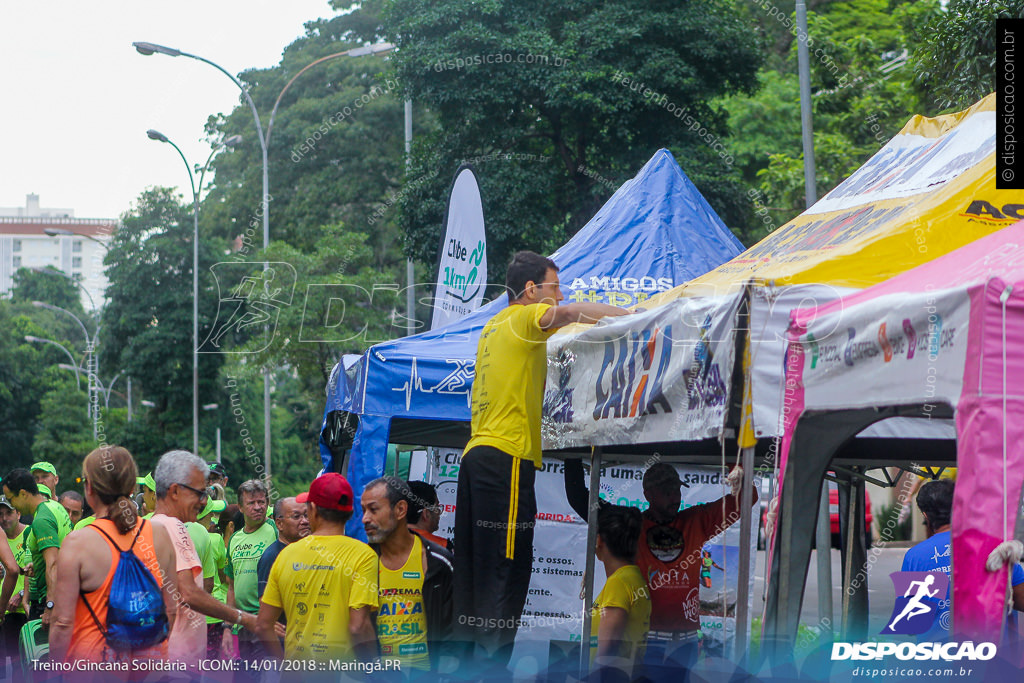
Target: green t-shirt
<point>21,556</point>
<point>84,522</point>
<point>220,561</point>
<point>244,553</point>
<point>201,540</point>
<point>49,527</point>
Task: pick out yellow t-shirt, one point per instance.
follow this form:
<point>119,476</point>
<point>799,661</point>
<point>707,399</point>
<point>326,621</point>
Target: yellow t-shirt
<point>401,621</point>
<point>316,580</point>
<point>627,589</point>
<point>508,390</point>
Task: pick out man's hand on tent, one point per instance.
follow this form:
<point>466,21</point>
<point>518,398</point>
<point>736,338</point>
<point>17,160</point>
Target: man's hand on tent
<point>1006,553</point>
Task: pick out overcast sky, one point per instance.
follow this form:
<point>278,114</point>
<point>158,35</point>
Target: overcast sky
<point>76,98</point>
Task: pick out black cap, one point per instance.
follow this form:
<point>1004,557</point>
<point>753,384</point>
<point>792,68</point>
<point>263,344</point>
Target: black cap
<point>218,469</point>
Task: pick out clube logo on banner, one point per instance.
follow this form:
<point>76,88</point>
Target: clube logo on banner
<point>462,272</point>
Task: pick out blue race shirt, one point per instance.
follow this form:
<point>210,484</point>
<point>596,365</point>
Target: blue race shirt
<point>934,555</point>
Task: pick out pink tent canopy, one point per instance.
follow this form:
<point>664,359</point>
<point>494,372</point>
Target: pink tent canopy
<point>948,333</point>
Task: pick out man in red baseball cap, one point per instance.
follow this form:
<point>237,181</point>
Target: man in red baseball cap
<point>315,578</point>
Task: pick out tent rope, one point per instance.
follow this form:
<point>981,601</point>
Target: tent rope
<point>725,559</point>
<point>1003,298</point>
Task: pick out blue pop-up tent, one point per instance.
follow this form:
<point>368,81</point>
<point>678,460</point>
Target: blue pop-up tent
<point>655,232</point>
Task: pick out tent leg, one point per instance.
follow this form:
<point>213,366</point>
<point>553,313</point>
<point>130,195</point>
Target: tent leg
<point>823,544</point>
<point>588,576</point>
<point>743,586</point>
<point>855,589</point>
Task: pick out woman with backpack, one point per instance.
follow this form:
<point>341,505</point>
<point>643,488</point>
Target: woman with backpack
<point>103,568</point>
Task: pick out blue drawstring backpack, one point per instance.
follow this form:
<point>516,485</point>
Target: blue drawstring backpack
<point>136,617</point>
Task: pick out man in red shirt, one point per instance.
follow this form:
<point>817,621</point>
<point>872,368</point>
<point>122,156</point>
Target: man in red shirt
<point>669,555</point>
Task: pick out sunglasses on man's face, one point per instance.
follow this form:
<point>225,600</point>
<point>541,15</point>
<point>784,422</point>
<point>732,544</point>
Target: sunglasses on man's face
<point>203,495</point>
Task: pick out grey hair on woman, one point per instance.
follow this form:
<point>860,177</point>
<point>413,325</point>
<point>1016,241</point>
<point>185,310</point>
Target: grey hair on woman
<point>175,467</point>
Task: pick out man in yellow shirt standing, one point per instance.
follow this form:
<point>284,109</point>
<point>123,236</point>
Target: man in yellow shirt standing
<point>325,584</point>
<point>496,504</point>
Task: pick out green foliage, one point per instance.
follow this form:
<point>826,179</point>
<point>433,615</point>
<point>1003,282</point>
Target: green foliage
<point>862,95</point>
<point>294,459</point>
<point>956,62</point>
<point>22,384</point>
<point>65,431</point>
<point>342,305</point>
<point>533,94</point>
<point>48,285</point>
<point>764,123</point>
<point>147,323</point>
<point>335,150</point>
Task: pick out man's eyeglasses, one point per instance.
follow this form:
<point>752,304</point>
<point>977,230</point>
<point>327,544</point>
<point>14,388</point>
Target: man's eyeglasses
<point>203,495</point>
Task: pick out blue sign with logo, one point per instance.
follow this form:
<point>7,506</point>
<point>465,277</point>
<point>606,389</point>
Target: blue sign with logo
<point>919,599</point>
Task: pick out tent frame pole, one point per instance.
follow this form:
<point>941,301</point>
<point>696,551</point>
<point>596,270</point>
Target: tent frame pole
<point>743,585</point>
<point>823,555</point>
<point>588,575</point>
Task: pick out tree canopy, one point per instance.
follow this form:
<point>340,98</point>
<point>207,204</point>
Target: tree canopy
<point>543,97</point>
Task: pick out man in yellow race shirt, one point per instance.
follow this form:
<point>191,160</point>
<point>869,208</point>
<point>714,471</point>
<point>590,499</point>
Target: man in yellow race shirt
<point>496,504</point>
<point>325,583</point>
<point>414,622</point>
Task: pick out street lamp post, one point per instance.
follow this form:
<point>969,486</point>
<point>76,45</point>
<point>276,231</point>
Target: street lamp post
<point>152,48</point>
<point>160,137</point>
<point>145,48</point>
<point>229,142</point>
<point>92,361</point>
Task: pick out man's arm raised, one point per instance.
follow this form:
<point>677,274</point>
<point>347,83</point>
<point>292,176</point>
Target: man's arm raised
<point>560,316</point>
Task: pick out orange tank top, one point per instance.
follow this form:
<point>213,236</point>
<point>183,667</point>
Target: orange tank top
<point>87,641</point>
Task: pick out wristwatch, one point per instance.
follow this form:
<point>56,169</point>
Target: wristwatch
<point>49,604</point>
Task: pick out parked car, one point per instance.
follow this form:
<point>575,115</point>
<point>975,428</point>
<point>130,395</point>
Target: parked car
<point>767,490</point>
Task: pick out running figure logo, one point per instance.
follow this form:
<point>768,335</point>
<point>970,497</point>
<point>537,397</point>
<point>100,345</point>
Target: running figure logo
<point>919,596</point>
<point>253,302</point>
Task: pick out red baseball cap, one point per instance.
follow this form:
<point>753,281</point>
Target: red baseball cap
<point>331,491</point>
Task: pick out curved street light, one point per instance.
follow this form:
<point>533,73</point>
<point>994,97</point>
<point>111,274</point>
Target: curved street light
<point>92,361</point>
<point>144,48</point>
<point>147,49</point>
<point>228,142</point>
<point>106,391</point>
<point>39,340</point>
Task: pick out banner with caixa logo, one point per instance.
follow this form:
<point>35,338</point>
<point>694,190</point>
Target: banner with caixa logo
<point>462,273</point>
<point>657,375</point>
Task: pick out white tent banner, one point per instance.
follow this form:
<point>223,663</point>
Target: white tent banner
<point>658,375</point>
<point>462,274</point>
<point>891,350</point>
<point>554,608</point>
<point>911,164</point>
<point>769,320</point>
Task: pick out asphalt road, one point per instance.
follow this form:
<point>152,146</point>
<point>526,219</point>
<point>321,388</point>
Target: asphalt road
<point>880,592</point>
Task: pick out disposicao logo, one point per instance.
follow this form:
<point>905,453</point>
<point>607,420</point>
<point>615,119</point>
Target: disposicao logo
<point>947,652</point>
